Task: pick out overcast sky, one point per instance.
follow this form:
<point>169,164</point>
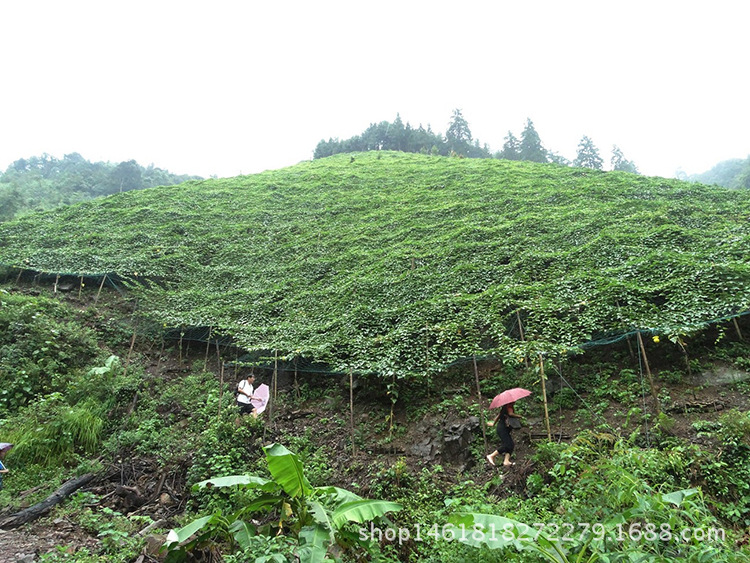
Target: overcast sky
<point>229,87</point>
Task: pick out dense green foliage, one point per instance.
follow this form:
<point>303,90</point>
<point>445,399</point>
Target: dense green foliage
<point>42,347</point>
<point>393,262</point>
<point>314,517</point>
<point>45,182</point>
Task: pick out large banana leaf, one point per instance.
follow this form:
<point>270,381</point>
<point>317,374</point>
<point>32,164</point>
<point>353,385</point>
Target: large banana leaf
<point>313,543</point>
<point>248,481</point>
<point>184,533</point>
<point>362,510</point>
<point>286,470</point>
<point>242,532</point>
<point>339,495</point>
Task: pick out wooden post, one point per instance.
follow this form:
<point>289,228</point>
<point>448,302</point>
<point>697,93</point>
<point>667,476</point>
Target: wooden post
<point>737,328</point>
<point>351,406</point>
<point>57,281</point>
<point>523,337</point>
<point>221,388</point>
<point>296,383</point>
<point>544,396</point>
<point>179,344</point>
<point>481,403</point>
<point>393,404</point>
<point>130,352</point>
<point>427,359</point>
<point>101,285</point>
<point>218,355</point>
<point>208,347</point>
<point>654,394</point>
<point>275,373</point>
<point>684,351</point>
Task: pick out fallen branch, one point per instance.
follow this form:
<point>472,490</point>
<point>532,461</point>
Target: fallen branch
<point>41,508</point>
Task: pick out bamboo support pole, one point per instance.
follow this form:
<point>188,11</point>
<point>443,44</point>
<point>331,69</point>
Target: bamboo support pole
<point>654,394</point>
<point>393,405</point>
<point>101,285</point>
<point>481,404</point>
<point>221,388</point>
<point>57,281</point>
<point>208,347</point>
<point>737,328</point>
<point>351,407</point>
<point>219,361</point>
<point>684,351</point>
<point>130,351</point>
<point>296,382</point>
<point>179,345</point>
<point>544,396</point>
<point>275,373</point>
<point>427,359</point>
<point>20,273</point>
<point>80,287</point>
<point>523,337</point>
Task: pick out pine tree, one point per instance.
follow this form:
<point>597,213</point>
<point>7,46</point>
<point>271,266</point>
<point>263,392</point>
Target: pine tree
<point>531,145</point>
<point>588,155</point>
<point>511,148</point>
<point>458,134</point>
<point>619,162</point>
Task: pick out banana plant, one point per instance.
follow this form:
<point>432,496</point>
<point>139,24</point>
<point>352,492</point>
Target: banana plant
<point>314,516</point>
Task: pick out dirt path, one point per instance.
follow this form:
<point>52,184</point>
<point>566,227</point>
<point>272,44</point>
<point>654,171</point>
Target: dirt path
<point>26,544</point>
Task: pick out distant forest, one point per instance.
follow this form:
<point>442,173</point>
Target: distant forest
<point>458,141</point>
<point>733,173</point>
<point>44,182</point>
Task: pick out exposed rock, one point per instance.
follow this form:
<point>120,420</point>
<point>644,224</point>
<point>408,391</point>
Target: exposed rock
<point>456,439</point>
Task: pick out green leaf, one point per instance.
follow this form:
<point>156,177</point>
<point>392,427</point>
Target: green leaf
<point>184,533</point>
<point>287,471</point>
<point>339,495</point>
<point>494,532</point>
<point>362,510</point>
<point>676,497</point>
<point>313,542</point>
<point>248,481</point>
<point>242,532</point>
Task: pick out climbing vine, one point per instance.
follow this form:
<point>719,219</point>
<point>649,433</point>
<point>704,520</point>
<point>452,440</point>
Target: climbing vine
<point>375,263</point>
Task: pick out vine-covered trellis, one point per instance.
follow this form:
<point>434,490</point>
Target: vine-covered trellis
<point>401,264</point>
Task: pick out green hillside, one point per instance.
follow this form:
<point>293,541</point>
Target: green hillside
<point>393,262</point>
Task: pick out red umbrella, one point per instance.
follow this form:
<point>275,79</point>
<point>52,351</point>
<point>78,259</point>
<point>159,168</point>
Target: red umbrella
<point>509,396</point>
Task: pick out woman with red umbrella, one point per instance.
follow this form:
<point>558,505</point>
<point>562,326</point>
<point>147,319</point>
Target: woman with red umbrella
<point>504,424</point>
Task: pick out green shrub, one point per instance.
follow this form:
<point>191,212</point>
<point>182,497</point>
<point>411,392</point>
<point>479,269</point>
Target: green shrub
<point>52,432</point>
<point>42,348</point>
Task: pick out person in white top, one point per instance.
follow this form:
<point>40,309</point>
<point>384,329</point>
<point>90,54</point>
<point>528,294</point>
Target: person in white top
<point>245,392</point>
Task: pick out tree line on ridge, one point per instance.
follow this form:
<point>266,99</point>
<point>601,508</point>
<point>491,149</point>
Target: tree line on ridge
<point>458,141</point>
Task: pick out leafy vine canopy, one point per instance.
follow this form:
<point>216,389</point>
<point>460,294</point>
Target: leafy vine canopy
<point>401,263</point>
